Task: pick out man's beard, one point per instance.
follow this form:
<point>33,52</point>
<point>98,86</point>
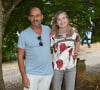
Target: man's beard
<point>36,26</point>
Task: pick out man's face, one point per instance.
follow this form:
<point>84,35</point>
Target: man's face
<point>35,17</point>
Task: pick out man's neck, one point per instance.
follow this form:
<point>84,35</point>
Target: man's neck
<point>37,30</point>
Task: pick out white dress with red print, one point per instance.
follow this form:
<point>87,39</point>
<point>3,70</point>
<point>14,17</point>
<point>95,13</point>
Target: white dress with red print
<point>63,50</point>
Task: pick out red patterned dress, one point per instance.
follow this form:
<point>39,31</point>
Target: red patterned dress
<point>63,50</point>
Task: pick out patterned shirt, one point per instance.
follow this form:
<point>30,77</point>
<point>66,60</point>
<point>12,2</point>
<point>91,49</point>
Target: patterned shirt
<point>63,50</point>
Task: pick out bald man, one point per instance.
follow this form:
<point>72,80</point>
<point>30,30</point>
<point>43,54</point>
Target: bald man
<point>34,42</point>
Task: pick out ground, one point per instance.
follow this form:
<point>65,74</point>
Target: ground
<point>91,56</point>
<point>12,77</point>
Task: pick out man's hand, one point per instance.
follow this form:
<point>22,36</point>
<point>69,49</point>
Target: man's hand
<point>25,81</point>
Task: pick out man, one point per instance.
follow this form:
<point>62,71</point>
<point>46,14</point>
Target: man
<point>34,43</point>
<point>87,38</point>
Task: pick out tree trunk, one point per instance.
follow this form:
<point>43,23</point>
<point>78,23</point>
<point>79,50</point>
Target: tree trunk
<point>2,86</point>
<point>4,17</point>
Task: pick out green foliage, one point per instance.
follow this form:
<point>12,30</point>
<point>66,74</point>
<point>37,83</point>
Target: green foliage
<point>79,12</point>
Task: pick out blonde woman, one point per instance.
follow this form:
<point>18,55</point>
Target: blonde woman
<point>65,41</point>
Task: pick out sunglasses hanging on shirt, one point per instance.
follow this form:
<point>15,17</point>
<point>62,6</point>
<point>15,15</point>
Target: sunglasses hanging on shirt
<point>40,43</point>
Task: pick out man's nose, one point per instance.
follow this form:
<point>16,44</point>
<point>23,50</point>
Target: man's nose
<point>35,18</point>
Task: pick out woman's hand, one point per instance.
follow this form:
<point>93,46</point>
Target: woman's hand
<point>75,54</point>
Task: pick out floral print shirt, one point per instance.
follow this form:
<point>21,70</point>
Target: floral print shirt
<point>63,50</point>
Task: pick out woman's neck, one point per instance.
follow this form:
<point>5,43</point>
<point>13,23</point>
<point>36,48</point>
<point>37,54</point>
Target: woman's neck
<point>63,30</point>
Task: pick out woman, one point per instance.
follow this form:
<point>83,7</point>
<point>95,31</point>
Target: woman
<point>65,42</point>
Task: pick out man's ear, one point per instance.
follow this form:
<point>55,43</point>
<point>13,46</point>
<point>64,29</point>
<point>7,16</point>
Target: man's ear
<point>42,16</point>
<point>29,18</point>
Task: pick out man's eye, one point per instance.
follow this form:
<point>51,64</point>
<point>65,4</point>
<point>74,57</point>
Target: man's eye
<point>37,15</point>
<point>31,16</point>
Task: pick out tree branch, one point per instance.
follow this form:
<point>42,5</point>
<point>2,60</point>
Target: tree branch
<point>0,1</point>
<point>7,14</point>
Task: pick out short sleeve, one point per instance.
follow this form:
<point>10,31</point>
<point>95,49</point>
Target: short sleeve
<point>49,29</point>
<point>77,36</point>
<point>52,40</point>
<point>21,41</point>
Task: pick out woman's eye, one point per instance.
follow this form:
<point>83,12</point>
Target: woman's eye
<point>64,17</point>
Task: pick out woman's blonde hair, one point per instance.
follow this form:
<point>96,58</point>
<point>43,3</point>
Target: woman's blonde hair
<point>55,28</point>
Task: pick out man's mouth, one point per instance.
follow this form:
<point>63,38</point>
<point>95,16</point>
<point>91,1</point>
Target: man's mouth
<point>35,21</point>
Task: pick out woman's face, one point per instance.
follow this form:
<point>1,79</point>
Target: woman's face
<point>62,20</point>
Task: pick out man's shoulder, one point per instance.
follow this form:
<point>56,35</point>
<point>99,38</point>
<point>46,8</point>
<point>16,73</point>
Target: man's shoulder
<point>25,31</point>
<point>45,27</point>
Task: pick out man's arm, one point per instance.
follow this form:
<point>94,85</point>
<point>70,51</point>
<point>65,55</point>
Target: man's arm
<point>21,61</point>
<point>25,80</point>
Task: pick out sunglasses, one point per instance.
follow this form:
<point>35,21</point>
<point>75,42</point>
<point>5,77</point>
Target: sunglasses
<point>40,43</point>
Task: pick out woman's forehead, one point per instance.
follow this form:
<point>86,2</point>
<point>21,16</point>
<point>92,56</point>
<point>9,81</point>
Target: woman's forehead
<point>62,15</point>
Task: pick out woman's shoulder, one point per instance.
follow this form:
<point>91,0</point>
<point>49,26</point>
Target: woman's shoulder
<point>75,30</point>
<point>52,35</point>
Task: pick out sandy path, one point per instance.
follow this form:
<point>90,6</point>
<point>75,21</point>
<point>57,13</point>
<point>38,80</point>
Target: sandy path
<point>92,57</point>
<point>12,76</point>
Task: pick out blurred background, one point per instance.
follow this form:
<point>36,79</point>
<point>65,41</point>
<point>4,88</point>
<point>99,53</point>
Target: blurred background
<point>81,13</point>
